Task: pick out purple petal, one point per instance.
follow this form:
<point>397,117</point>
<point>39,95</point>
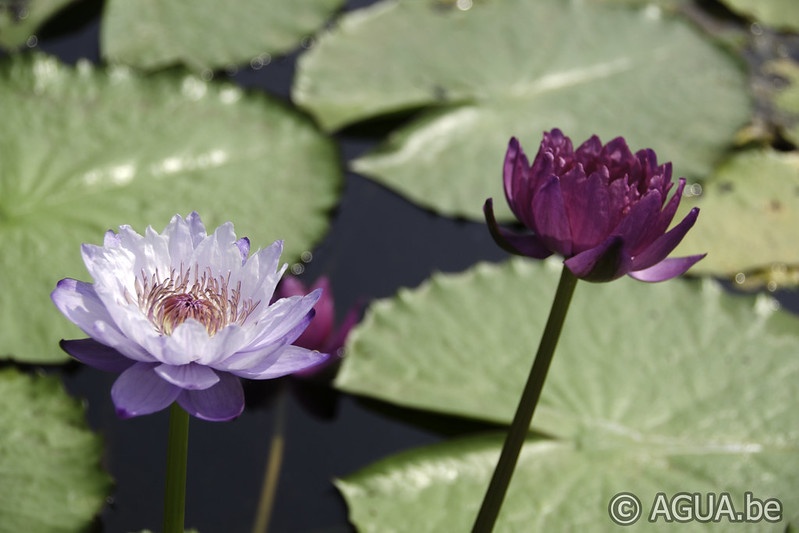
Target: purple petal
<point>666,269</point>
<point>515,243</point>
<point>666,243</point>
<point>244,248</point>
<point>96,355</point>
<point>634,227</point>
<point>551,223</point>
<point>514,179</point>
<point>605,262</point>
<point>319,329</point>
<point>337,340</point>
<point>190,377</point>
<point>140,391</point>
<point>196,228</point>
<point>284,361</point>
<point>588,208</point>
<point>220,403</point>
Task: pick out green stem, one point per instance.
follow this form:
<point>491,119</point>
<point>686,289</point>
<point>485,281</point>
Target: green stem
<point>492,502</point>
<point>175,486</point>
<point>272,473</point>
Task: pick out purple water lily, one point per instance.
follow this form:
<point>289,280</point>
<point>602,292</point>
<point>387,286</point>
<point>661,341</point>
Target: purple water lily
<point>322,334</point>
<point>182,315</point>
<point>603,208</point>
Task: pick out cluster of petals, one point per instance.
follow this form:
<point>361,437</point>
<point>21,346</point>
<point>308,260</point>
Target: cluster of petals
<point>183,315</point>
<point>606,210</point>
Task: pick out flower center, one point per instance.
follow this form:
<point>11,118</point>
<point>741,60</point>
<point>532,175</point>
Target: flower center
<point>209,300</point>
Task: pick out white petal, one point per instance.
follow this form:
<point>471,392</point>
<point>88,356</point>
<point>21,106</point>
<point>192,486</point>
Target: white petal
<point>219,251</point>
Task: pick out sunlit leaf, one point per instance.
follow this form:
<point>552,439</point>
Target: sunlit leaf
<point>206,34</point>
<point>671,387</point>
<point>749,215</point>
<point>518,68</point>
<point>83,150</point>
<point>568,486</point>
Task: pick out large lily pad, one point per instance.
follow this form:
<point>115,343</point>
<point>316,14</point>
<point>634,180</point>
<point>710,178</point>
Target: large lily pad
<point>749,217</point>
<point>49,460</point>
<point>206,34</point>
<point>669,387</point>
<point>564,485</point>
<point>19,19</point>
<point>83,150</point>
<point>518,68</point>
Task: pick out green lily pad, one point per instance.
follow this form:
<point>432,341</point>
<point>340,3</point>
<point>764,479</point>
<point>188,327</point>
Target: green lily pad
<point>564,486</point>
<point>783,14</point>
<point>786,99</point>
<point>83,150</point>
<point>671,387</point>
<point>517,68</point>
<point>749,215</point>
<point>19,20</point>
<point>49,460</point>
<point>205,34</point>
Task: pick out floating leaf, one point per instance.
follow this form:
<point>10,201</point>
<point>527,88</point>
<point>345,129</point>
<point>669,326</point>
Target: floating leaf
<point>782,14</point>
<point>669,387</point>
<point>205,34</point>
<point>19,19</point>
<point>563,485</point>
<point>749,215</point>
<point>518,68</point>
<point>786,98</point>
<point>84,150</point>
<point>49,460</point>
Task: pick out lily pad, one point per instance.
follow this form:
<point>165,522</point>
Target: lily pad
<point>783,14</point>
<point>517,68</point>
<point>205,34</point>
<point>749,218</point>
<point>84,149</point>
<point>20,19</point>
<point>786,98</point>
<point>49,460</point>
<point>669,387</point>
<point>562,485</point>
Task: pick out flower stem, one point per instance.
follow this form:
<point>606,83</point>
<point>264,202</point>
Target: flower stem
<point>273,463</point>
<point>175,486</point>
<point>492,502</point>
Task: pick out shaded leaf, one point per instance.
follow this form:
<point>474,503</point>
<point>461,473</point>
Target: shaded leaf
<point>782,14</point>
<point>49,460</point>
<point>19,19</point>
